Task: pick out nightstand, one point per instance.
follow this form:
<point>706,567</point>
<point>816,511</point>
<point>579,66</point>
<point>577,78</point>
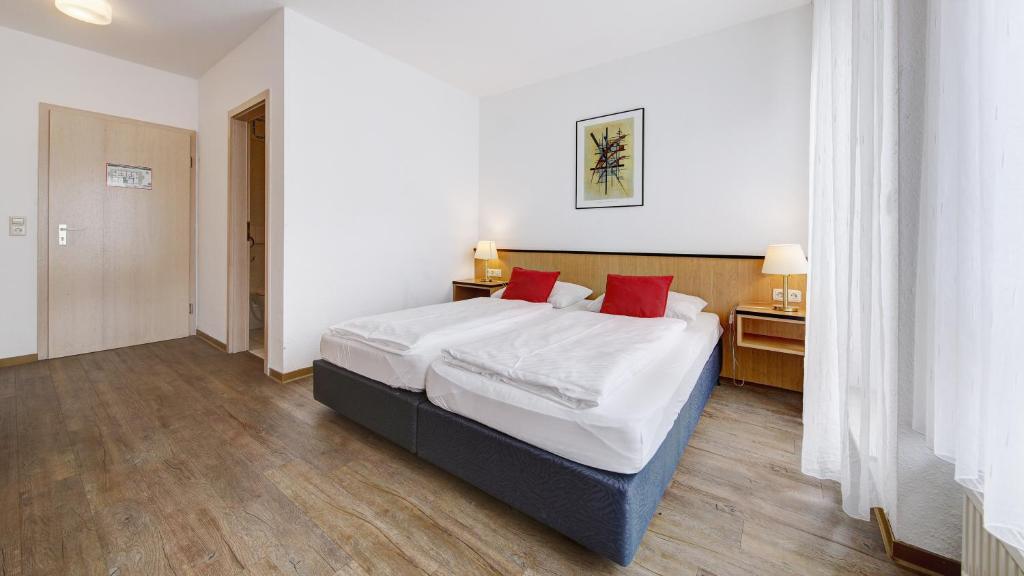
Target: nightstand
<point>466,289</point>
<point>761,327</point>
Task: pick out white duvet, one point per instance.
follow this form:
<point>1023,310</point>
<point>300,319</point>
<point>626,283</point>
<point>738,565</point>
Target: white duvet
<point>576,358</point>
<point>407,330</point>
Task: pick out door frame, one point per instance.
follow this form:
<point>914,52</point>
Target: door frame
<point>238,214</point>
<point>43,223</point>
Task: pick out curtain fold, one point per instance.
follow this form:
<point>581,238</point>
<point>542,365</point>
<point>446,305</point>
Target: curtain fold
<point>969,291</point>
<point>850,375</point>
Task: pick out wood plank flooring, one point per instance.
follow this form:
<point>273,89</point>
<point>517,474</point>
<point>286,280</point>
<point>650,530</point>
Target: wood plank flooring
<point>175,458</point>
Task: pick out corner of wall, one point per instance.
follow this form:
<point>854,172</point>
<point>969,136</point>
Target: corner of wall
<point>254,66</point>
<point>351,108</point>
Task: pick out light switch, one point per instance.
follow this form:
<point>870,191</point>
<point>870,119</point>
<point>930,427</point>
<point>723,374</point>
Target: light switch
<point>17,226</point>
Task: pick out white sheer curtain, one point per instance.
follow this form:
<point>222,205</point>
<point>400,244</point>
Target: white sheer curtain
<point>850,367</point>
<point>969,356</point>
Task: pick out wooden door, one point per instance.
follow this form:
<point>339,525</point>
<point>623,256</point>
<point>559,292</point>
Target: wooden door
<point>122,275</point>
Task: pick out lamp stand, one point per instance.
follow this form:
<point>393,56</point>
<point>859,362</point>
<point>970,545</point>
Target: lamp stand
<point>485,279</point>
<point>785,307</point>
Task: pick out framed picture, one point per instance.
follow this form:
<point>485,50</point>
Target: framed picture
<point>610,160</point>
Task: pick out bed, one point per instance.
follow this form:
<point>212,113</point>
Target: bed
<point>594,475</point>
<point>372,370</point>
<point>620,435</point>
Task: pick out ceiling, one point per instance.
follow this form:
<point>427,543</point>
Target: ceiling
<point>481,46</point>
<point>182,36</point>
<point>490,46</point>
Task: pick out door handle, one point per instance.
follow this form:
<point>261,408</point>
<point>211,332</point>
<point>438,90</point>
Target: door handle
<point>62,233</point>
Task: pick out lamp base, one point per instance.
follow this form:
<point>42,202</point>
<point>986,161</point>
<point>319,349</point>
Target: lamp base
<point>783,308</point>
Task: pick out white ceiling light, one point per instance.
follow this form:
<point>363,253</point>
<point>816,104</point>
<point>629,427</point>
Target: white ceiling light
<point>91,11</point>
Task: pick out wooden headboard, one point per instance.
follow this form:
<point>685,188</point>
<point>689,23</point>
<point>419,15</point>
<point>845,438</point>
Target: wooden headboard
<point>723,281</point>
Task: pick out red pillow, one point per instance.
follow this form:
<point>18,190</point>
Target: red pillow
<point>530,285</point>
<point>638,296</point>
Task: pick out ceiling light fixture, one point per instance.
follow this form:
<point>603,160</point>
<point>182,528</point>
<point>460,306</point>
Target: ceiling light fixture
<point>92,11</point>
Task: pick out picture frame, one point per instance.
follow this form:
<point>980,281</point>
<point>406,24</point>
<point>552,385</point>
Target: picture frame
<point>610,160</point>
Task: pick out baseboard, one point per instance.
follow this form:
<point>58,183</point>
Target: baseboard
<point>212,341</point>
<point>912,557</point>
<point>280,377</point>
<point>289,376</point>
<point>16,360</point>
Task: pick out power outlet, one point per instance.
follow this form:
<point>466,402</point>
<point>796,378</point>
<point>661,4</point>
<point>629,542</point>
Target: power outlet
<point>494,272</point>
<point>795,295</point>
<point>777,294</point>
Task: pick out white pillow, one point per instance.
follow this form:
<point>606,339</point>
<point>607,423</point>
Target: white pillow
<point>564,294</point>
<point>682,306</point>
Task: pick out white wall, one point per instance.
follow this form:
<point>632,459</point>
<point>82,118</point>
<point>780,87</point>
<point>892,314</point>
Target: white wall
<point>381,184</point>
<point>253,66</point>
<point>726,168</point>
<point>38,70</point>
<point>929,509</point>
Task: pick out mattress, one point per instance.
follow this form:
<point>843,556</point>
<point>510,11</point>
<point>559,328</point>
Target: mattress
<point>621,435</point>
<point>405,371</point>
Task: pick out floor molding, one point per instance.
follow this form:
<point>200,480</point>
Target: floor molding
<point>289,376</point>
<point>16,360</point>
<point>212,341</point>
<point>910,556</point>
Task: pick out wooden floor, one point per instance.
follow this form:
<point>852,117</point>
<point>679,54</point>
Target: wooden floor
<point>174,458</point>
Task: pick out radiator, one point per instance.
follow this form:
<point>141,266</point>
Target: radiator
<point>984,554</point>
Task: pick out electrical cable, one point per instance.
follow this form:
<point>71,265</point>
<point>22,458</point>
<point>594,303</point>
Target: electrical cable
<point>732,348</point>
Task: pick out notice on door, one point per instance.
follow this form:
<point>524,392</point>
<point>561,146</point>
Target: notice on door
<point>122,176</point>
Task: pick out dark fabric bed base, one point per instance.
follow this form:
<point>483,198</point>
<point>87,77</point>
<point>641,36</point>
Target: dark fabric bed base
<point>387,411</point>
<point>605,511</point>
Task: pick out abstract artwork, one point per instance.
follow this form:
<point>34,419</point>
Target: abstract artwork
<point>609,160</point>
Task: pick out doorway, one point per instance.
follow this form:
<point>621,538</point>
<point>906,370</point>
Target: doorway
<point>256,234</point>
<point>247,229</point>
<point>116,229</point>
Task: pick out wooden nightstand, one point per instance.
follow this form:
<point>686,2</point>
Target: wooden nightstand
<point>761,327</point>
<point>466,289</point>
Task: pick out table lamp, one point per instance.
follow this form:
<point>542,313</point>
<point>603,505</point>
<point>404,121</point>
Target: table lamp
<point>486,251</point>
<point>784,259</point>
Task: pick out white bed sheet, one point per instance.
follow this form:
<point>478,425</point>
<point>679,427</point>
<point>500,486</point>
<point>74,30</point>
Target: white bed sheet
<point>406,371</point>
<point>620,435</point>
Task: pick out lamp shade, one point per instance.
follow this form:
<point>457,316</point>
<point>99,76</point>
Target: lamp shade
<point>486,250</point>
<point>784,259</point>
